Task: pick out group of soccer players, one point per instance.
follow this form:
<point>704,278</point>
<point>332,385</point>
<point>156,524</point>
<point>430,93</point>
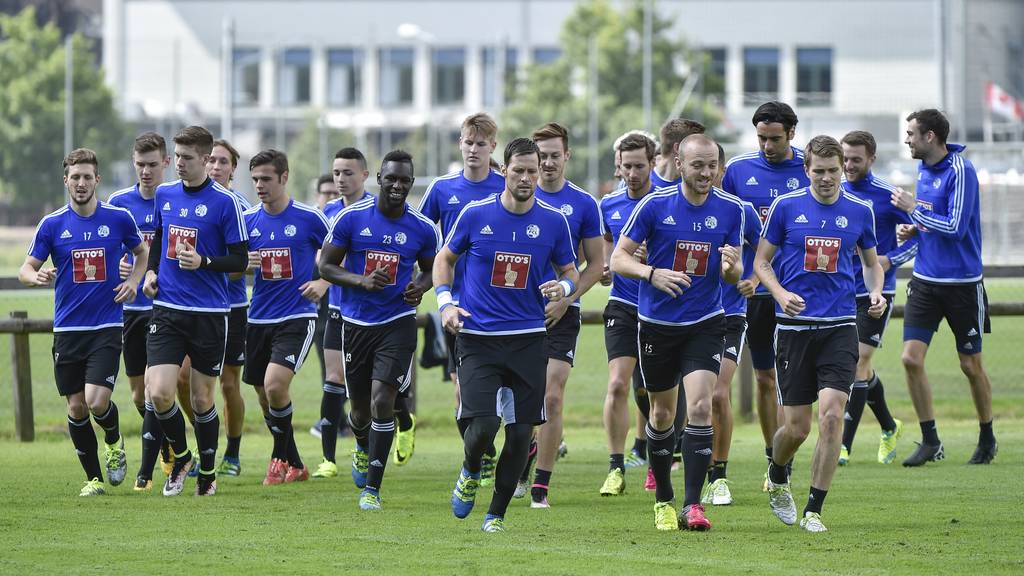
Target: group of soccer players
<point>791,252</point>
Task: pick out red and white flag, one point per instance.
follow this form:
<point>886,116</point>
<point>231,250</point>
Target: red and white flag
<point>1002,103</point>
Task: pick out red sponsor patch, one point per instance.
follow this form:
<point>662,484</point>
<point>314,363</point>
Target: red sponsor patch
<point>927,206</point>
<point>762,211</point>
<point>510,270</point>
<point>147,237</point>
<point>276,263</point>
<point>90,265</point>
<point>386,261</point>
<point>821,254</point>
<point>692,257</point>
<point>177,237</point>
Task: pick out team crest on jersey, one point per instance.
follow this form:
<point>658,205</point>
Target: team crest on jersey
<point>381,260</point>
<point>289,230</point>
<point>692,257</point>
<point>276,263</point>
<point>792,183</point>
<point>510,270</point>
<point>89,264</point>
<point>533,230</point>
<point>401,238</point>
<point>842,222</point>
<point>936,183</point>
<point>103,231</point>
<point>566,209</point>
<point>711,222</point>
<point>200,210</point>
<point>178,237</point>
<point>821,254</point>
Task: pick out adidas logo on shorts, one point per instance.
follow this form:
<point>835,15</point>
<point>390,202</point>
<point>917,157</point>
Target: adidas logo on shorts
<point>290,358</point>
<point>731,350</point>
<point>401,379</point>
<point>717,357</point>
<point>111,379</point>
<point>148,436</point>
<point>972,333</point>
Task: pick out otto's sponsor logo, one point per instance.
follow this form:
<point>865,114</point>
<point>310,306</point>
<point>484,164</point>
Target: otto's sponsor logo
<point>177,237</point>
<point>89,265</point>
<point>510,270</point>
<point>147,237</point>
<point>381,260</point>
<point>821,254</point>
<point>924,205</point>
<point>762,211</point>
<point>691,258</point>
<point>276,263</point>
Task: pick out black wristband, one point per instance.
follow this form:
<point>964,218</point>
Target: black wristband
<point>650,275</point>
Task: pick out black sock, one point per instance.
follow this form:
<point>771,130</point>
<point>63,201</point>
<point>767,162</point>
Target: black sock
<point>659,446</point>
<point>876,401</point>
<point>717,470</point>
<point>382,435</point>
<point>854,411</point>
<point>109,423</point>
<point>402,414</point>
<point>480,432</point>
<point>617,462</point>
<point>929,433</point>
<point>768,453</point>
<point>696,443</point>
<point>330,418</point>
<point>83,437</point>
<point>294,460</point>
<point>541,481</point>
<point>640,446</point>
<point>815,500</point>
<point>152,438</point>
<point>234,443</point>
<point>207,435</point>
<point>531,457</point>
<point>512,460</point>
<point>986,436</point>
<point>172,422</point>
<point>362,435</point>
<point>282,420</point>
<point>777,473</point>
<point>142,410</point>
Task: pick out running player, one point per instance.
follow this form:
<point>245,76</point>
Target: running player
<point>672,133</point>
<point>325,192</point>
<point>444,199</point>
<point>816,232</point>
<point>947,280</point>
<point>150,160</point>
<point>636,152</point>
<point>371,252</point>
<point>349,175</point>
<point>507,242</point>
<point>284,236</point>
<point>759,177</point>
<point>693,234</point>
<point>201,237</point>
<point>563,318</point>
<point>85,240</point>
<point>859,155</point>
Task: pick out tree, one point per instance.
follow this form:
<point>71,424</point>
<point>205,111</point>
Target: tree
<point>557,91</point>
<point>32,110</point>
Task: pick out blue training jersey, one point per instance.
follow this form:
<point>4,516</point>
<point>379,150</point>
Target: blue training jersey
<point>507,256</point>
<point>581,212</point>
<point>85,252</point>
<point>685,238</point>
<point>735,304</point>
<point>948,218</point>
<point>752,178</point>
<point>209,219</point>
<point>331,210</point>
<point>372,241</point>
<point>816,245</point>
<point>877,193</point>
<point>141,210</point>
<point>287,244</point>
<point>446,196</point>
<point>238,294</point>
<point>658,182</point>
<point>616,208</point>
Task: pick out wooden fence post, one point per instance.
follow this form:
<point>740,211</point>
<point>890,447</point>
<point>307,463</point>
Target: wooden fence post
<point>21,364</point>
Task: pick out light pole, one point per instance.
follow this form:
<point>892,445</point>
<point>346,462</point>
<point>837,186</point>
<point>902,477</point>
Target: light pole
<point>425,41</point>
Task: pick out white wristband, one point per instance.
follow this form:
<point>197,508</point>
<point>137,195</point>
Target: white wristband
<point>444,299</point>
<point>567,287</point>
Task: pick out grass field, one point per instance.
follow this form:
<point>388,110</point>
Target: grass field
<point>943,518</point>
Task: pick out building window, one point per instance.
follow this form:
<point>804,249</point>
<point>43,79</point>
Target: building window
<point>760,75</point>
<point>712,63</point>
<point>293,78</point>
<point>246,76</point>
<point>546,55</point>
<point>449,79</point>
<point>396,74</point>
<point>813,76</point>
<point>493,78</point>
<point>344,77</point>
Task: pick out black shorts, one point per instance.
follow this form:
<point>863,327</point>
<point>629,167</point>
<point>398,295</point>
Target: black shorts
<point>761,331</point>
<point>561,339</point>
<point>871,330</point>
<point>234,350</point>
<point>332,331</point>
<point>964,306</point>
<point>620,330</point>
<point>384,353</point>
<point>174,334</point>
<point>133,341</point>
<point>322,312</point>
<point>670,352</point>
<point>449,344</point>
<point>814,358</point>
<point>285,343</point>
<point>735,331</point>
<point>502,376</point>
<point>81,358</point>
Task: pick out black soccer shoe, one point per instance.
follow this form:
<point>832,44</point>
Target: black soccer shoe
<point>925,453</point>
<point>984,453</point>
